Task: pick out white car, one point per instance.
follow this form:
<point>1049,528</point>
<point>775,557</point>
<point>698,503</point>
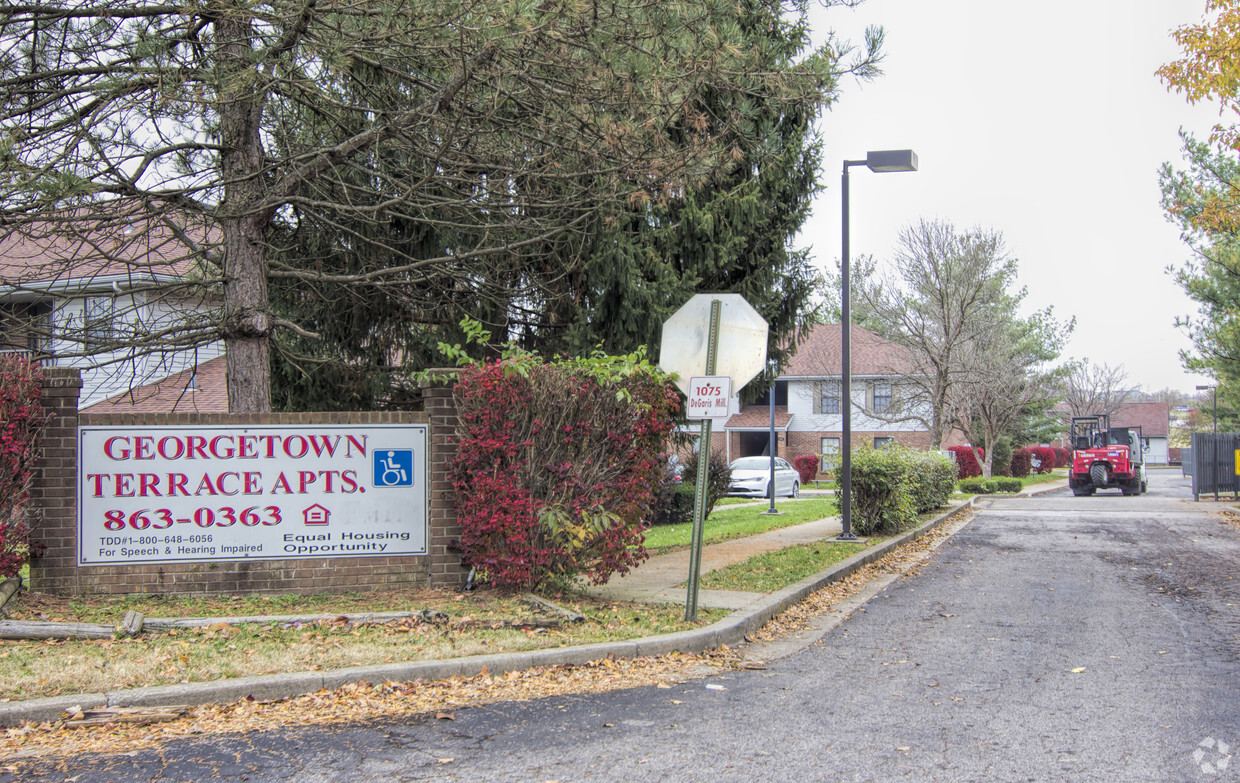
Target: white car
<point>751,477</point>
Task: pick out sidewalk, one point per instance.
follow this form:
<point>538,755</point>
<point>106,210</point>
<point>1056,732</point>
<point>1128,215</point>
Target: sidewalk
<point>659,579</point>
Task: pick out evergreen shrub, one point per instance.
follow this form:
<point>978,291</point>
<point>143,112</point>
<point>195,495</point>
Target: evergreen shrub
<point>891,485</point>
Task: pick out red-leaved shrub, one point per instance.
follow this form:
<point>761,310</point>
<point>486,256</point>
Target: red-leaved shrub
<point>22,420</point>
<point>1021,462</point>
<point>557,467</point>
<point>1045,457</point>
<point>966,463</point>
<point>807,466</point>
<point>1063,457</point>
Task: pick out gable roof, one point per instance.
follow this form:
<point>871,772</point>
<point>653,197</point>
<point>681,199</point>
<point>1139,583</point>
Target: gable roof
<point>820,354</point>
<point>1154,418</point>
<point>170,395</point>
<point>77,250</point>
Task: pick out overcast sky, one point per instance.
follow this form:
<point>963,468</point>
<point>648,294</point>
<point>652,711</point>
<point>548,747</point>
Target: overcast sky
<point>1045,122</point>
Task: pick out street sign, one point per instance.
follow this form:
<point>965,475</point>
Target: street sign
<point>742,340</point>
<point>692,341</point>
<point>709,397</point>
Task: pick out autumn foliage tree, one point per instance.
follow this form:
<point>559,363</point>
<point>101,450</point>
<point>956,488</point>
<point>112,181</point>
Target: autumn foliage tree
<point>1204,198</point>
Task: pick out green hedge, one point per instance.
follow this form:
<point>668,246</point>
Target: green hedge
<point>990,486</point>
<point>892,485</point>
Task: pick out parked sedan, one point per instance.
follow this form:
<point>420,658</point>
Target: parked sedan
<point>751,477</point>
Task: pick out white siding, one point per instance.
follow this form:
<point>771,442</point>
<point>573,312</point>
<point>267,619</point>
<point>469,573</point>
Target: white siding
<point>801,404</point>
<point>107,374</point>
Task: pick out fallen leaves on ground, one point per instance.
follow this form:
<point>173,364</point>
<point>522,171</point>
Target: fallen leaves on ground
<point>437,700</point>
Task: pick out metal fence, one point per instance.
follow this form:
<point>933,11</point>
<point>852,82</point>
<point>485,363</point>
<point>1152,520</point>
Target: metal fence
<point>1214,464</point>
<point>1186,462</point>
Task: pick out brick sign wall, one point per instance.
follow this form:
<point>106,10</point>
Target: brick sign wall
<point>63,564</point>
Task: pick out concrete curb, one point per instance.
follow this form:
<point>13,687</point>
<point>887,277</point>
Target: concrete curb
<point>731,630</point>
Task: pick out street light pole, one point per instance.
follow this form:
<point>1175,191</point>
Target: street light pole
<point>878,162</point>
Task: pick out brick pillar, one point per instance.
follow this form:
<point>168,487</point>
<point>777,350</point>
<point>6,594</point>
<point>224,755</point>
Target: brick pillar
<point>440,408</point>
<point>53,494</point>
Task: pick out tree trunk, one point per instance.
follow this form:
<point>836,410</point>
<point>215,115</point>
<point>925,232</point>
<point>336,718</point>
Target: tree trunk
<point>242,213</point>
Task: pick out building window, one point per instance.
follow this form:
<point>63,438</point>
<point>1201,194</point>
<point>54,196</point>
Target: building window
<point>99,314</point>
<point>829,397</point>
<point>880,442</point>
<point>830,450</point>
<point>882,397</point>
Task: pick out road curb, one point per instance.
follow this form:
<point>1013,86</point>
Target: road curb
<point>731,630</point>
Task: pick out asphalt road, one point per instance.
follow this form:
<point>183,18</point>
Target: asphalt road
<point>1051,639</point>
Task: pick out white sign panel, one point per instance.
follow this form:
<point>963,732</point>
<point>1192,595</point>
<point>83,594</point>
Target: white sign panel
<point>741,353</point>
<point>201,493</point>
<point>709,396</point>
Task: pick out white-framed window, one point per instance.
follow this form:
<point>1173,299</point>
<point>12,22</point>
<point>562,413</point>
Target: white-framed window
<point>829,397</point>
<point>829,448</point>
<point>880,442</point>
<point>882,397</point>
<point>99,320</point>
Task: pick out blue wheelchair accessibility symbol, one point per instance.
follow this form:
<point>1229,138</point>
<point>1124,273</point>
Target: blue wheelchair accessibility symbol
<point>394,468</point>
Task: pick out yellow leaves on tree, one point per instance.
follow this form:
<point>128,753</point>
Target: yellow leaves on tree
<point>1210,67</point>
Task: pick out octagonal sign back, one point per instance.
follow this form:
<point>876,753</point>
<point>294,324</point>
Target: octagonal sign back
<point>741,353</point>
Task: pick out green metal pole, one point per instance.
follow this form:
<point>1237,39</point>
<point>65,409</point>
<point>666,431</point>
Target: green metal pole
<point>699,496</point>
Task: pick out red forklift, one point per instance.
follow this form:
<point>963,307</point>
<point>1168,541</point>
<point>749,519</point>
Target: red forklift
<point>1106,457</point>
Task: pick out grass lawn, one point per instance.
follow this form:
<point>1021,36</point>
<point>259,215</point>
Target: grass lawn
<point>474,623</point>
<point>1055,475</point>
<point>737,522</point>
<point>772,571</point>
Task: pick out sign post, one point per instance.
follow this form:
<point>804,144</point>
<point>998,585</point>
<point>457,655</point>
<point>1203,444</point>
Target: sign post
<point>703,477</point>
<point>690,349</point>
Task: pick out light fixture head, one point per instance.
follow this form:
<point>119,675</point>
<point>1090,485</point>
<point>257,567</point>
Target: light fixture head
<point>891,160</point>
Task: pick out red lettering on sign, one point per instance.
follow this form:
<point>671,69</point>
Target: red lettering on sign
<point>281,485</point>
<point>301,447</point>
<point>114,452</point>
<point>123,488</point>
<point>98,479</point>
<point>252,485</point>
<point>348,481</point>
<point>177,450</point>
<point>142,447</point>
<point>306,478</point>
<point>219,483</point>
<point>221,452</point>
<point>245,447</point>
<point>176,483</point>
<point>196,444</point>
<point>148,485</point>
<point>207,485</point>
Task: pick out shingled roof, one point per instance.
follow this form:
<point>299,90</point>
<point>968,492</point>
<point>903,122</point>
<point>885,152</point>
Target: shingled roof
<point>1154,418</point>
<point>123,244</point>
<point>752,417</point>
<point>819,355</point>
<point>170,395</point>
